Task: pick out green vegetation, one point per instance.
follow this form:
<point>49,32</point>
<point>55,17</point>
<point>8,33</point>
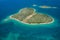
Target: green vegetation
<point>23,13</point>
<point>28,15</point>
<point>40,18</point>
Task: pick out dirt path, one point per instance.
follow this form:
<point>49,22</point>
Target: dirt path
<point>28,17</point>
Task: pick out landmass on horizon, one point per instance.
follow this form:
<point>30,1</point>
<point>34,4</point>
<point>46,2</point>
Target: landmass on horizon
<point>30,16</point>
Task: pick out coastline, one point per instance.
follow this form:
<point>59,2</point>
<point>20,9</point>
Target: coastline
<point>28,23</point>
<point>23,8</point>
<point>25,20</point>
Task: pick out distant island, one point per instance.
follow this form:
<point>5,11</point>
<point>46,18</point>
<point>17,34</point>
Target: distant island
<point>30,16</point>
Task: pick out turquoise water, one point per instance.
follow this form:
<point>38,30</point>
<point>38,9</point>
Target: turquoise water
<point>14,30</point>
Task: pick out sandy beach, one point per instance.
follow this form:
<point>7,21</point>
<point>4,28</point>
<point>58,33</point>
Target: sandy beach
<point>28,23</point>
<point>25,20</point>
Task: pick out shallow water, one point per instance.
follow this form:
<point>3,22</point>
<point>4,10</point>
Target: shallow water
<point>10,29</point>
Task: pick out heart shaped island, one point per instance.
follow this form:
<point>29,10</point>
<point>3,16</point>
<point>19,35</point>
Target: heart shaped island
<point>30,16</point>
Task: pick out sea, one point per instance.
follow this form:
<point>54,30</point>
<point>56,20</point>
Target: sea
<point>14,30</point>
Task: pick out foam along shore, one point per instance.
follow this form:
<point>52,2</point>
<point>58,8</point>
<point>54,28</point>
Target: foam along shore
<point>28,23</point>
<point>16,19</point>
<point>30,16</point>
<point>25,8</point>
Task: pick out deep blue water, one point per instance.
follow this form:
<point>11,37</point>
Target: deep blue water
<point>11,29</point>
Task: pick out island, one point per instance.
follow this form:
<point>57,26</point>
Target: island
<point>30,16</point>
